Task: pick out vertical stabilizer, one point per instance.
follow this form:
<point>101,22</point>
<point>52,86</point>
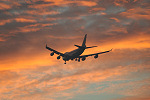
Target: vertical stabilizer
<point>84,41</point>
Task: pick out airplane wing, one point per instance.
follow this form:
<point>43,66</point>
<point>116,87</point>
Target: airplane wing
<point>54,51</point>
<point>94,54</point>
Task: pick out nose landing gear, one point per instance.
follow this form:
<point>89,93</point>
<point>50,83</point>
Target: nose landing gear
<point>65,62</point>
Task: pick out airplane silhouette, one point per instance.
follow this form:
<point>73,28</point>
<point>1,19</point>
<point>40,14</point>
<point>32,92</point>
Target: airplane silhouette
<point>75,54</point>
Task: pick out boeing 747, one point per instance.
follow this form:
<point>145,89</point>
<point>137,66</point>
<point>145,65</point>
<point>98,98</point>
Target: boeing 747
<point>75,54</point>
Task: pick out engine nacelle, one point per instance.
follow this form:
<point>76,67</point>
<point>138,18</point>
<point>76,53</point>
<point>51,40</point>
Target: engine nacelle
<point>52,54</point>
<point>58,57</point>
<point>96,56</point>
<point>83,58</point>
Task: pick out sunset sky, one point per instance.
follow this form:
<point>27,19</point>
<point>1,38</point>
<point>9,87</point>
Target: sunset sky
<point>28,72</point>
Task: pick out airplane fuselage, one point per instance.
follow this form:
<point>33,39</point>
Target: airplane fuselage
<point>73,54</point>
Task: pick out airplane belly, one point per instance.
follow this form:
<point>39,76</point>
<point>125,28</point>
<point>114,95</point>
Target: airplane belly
<point>77,53</point>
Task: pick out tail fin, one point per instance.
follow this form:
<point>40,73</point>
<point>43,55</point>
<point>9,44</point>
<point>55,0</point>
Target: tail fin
<point>84,44</point>
<point>84,41</point>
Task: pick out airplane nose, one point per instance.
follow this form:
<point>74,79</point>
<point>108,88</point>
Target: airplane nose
<point>65,58</point>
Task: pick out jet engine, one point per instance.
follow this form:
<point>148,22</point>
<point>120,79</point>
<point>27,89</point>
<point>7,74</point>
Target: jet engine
<point>52,54</point>
<point>96,56</point>
<point>83,58</point>
<point>58,57</point>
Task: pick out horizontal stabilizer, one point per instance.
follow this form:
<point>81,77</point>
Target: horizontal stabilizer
<point>91,47</point>
<point>77,46</point>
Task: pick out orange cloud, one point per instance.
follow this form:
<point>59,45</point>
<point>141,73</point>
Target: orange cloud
<point>64,3</point>
<point>61,82</point>
<point>24,20</point>
<point>123,2</point>
<point>3,22</point>
<point>120,2</point>
<point>87,3</point>
<point>97,9</point>
<point>1,39</point>
<point>4,6</point>
<point>26,62</point>
<point>139,42</point>
<point>137,13</point>
<point>58,78</point>
<point>62,37</point>
<point>117,20</point>
<point>41,12</point>
<point>32,27</point>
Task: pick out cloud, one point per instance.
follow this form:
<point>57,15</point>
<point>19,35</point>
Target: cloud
<point>125,2</point>
<point>137,13</point>
<point>4,6</point>
<point>28,72</point>
<point>117,20</point>
<point>24,20</point>
<point>137,92</point>
<point>3,22</point>
<point>134,98</point>
<point>7,75</point>
<point>50,80</point>
<point>47,3</point>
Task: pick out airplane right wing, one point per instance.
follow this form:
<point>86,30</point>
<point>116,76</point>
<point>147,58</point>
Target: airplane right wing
<point>54,51</point>
<point>96,54</point>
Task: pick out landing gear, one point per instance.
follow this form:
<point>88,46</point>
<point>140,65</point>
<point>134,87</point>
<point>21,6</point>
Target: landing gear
<point>65,62</point>
<point>75,59</point>
<point>79,60</point>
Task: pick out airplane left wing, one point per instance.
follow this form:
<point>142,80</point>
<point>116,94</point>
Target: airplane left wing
<point>94,54</point>
<point>54,51</point>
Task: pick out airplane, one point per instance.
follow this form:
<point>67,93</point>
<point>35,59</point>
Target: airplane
<point>75,54</point>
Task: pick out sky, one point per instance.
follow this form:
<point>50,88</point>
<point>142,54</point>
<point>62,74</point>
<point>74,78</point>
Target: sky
<point>28,72</point>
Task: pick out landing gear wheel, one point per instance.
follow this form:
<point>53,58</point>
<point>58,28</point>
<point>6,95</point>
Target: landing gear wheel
<point>65,62</point>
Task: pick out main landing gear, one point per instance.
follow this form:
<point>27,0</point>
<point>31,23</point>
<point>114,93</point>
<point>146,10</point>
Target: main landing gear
<point>65,62</point>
